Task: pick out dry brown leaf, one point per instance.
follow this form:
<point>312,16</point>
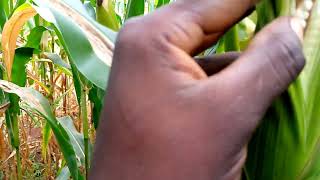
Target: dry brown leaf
<point>10,34</point>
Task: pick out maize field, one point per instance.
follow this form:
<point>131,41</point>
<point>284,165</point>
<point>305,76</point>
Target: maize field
<point>63,49</point>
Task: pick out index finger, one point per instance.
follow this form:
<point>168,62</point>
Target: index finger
<point>217,15</point>
<point>190,23</point>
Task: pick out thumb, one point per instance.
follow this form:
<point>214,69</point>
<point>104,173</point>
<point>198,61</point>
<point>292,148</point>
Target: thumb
<point>272,61</point>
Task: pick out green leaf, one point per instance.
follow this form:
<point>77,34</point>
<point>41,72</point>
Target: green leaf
<point>277,148</point>
<point>19,3</point>
<point>162,2</point>
<point>77,82</point>
<point>93,3</point>
<point>34,38</point>
<point>76,138</point>
<point>3,16</point>
<point>135,8</point>
<point>22,56</point>
<point>220,46</point>
<point>13,129</point>
<point>96,96</point>
<point>46,136</point>
<point>231,39</point>
<point>5,8</point>
<point>56,59</point>
<point>60,64</point>
<point>266,13</point>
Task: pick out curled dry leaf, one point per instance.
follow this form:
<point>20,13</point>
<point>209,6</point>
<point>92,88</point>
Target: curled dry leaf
<point>10,34</point>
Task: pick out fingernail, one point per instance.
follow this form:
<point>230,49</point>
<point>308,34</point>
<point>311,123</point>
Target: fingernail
<point>298,25</point>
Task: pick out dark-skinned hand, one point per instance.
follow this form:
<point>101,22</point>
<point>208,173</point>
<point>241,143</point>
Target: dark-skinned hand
<point>169,117</point>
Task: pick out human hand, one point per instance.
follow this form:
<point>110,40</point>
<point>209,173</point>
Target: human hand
<point>166,117</point>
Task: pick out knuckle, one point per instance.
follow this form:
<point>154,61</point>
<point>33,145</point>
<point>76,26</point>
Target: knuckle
<point>130,30</point>
<point>142,33</point>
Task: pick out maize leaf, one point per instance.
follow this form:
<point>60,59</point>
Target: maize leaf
<point>135,8</point>
<point>96,96</point>
<point>34,38</point>
<point>231,39</point>
<point>162,3</point>
<point>76,138</point>
<point>46,136</point>
<point>3,17</point>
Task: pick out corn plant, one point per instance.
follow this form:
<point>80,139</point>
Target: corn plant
<point>56,57</point>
